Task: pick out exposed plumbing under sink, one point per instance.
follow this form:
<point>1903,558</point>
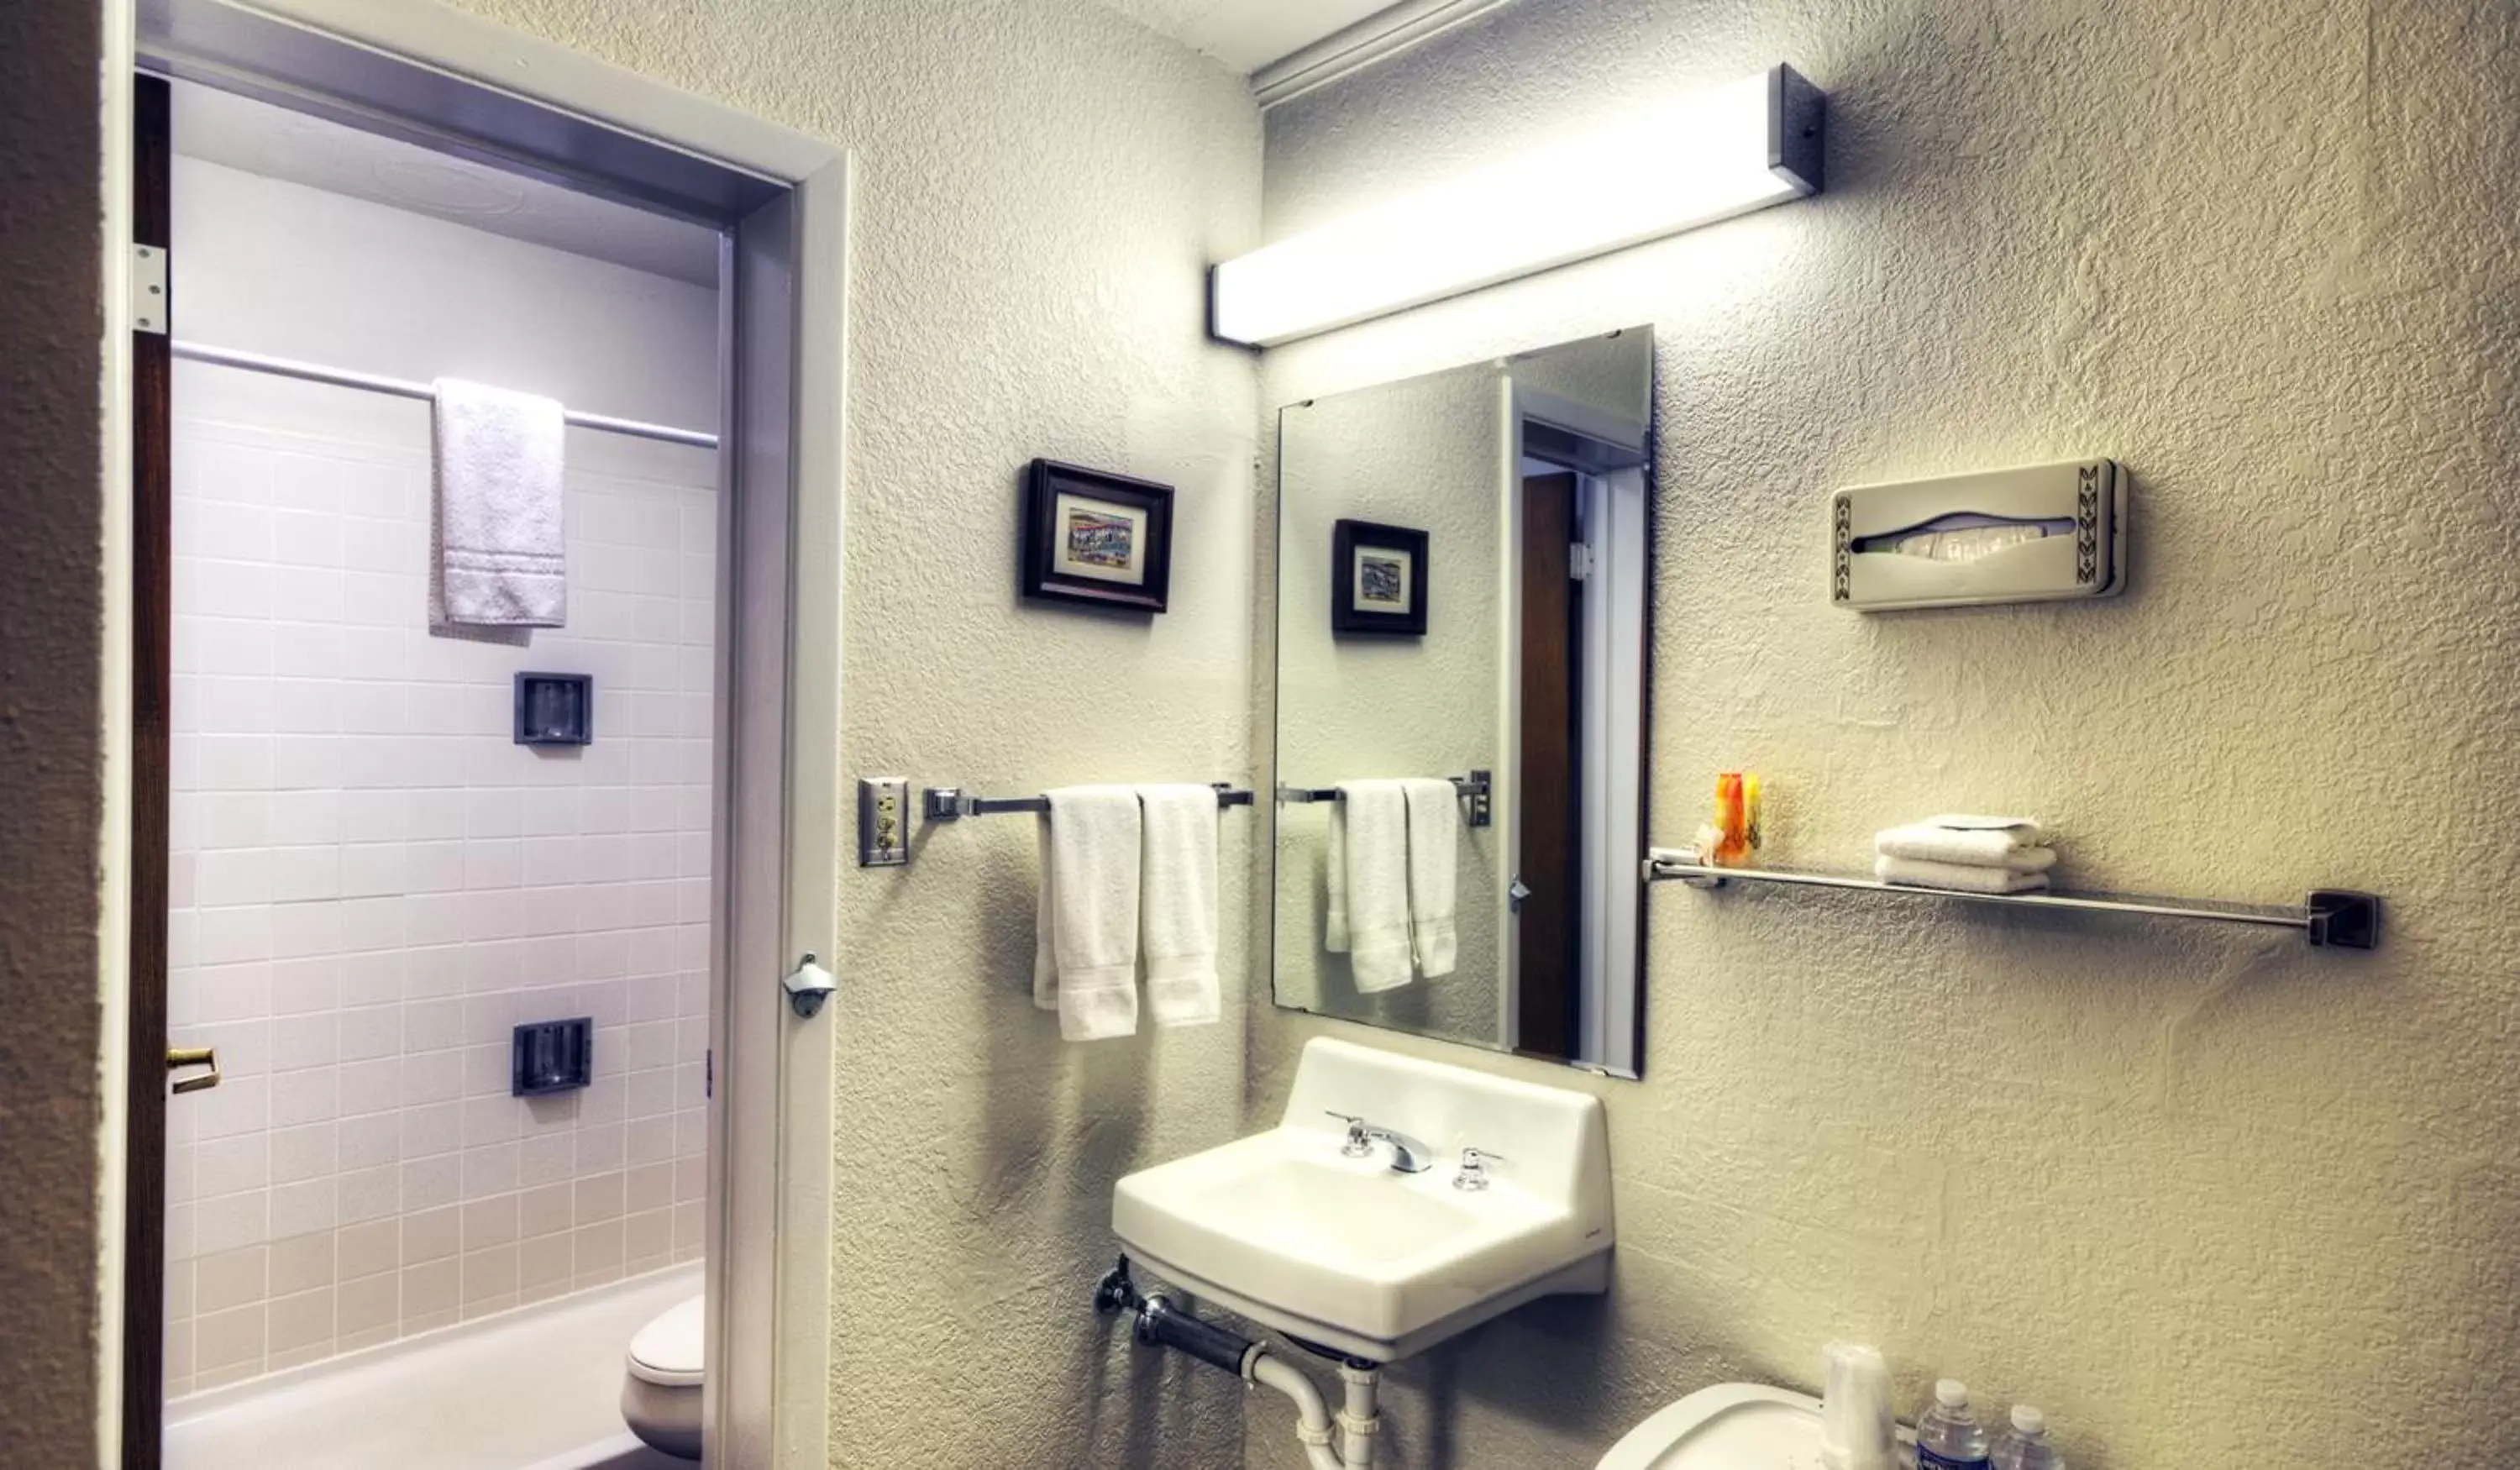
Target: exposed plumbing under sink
<point>1340,1442</point>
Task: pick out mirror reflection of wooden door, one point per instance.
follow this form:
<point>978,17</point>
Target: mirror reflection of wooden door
<point>1548,786</point>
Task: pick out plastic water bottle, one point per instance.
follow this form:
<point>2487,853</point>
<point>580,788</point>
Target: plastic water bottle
<point>2025,1447</point>
<point>1947,1436</point>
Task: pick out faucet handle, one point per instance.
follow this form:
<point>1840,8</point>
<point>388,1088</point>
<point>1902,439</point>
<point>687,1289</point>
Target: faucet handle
<point>1359,1134</point>
<point>1474,1173</point>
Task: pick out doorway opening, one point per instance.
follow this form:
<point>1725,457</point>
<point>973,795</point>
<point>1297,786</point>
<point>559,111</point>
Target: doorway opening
<point>1579,550</point>
<point>360,863</point>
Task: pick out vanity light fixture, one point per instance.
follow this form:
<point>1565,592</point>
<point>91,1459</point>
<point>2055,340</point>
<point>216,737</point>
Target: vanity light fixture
<point>1738,148</point>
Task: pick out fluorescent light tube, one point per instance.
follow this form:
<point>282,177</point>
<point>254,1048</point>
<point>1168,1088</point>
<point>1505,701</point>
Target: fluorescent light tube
<point>1741,146</point>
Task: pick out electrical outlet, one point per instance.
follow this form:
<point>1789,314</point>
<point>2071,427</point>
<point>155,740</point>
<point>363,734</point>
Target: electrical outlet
<point>883,822</point>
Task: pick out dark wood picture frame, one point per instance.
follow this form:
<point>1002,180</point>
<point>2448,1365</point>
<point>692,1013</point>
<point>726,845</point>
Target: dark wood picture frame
<point>1146,506</point>
<point>1348,539</point>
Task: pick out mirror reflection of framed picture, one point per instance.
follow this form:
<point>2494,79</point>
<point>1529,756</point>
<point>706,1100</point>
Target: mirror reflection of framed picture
<point>1093,537</point>
<point>1378,579</point>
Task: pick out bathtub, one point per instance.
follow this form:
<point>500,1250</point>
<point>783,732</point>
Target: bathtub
<point>534,1389</point>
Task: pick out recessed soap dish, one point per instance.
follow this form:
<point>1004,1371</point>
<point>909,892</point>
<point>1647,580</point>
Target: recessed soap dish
<point>555,709</point>
<point>552,1057</point>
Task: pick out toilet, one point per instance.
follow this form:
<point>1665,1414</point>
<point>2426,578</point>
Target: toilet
<point>1732,1426</point>
<point>660,1385</point>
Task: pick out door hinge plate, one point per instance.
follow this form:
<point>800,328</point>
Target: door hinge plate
<point>149,290</point>
<point>1579,562</point>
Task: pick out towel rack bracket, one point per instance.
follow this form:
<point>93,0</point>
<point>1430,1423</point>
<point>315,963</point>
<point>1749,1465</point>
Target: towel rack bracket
<point>2344,919</point>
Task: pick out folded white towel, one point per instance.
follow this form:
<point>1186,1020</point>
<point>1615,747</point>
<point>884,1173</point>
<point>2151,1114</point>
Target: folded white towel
<point>1962,877</point>
<point>1434,846</point>
<point>1369,881</point>
<point>1177,904</point>
<point>1085,950</point>
<point>499,555</point>
<point>1981,841</point>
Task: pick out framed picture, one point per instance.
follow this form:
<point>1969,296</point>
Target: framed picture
<point>1090,536</point>
<point>1378,579</point>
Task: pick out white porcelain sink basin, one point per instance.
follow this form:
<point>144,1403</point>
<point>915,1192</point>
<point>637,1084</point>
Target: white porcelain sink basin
<point>1353,1255</point>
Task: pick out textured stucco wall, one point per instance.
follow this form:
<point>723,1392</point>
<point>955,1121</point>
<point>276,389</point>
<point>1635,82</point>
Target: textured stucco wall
<point>1039,191</point>
<point>2210,1196</point>
<point>50,612</point>
<point>1423,453</point>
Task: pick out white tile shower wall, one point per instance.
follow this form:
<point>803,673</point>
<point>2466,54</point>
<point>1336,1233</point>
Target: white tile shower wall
<point>373,884</point>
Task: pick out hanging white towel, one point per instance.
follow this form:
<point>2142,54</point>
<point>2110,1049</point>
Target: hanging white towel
<point>1375,874</point>
<point>1334,881</point>
<point>499,557</point>
<point>1985,841</point>
<point>1177,903</point>
<point>1085,951</point>
<point>1962,877</point>
<point>1434,846</point>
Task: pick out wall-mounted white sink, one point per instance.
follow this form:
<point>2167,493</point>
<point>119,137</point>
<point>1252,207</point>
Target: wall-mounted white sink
<point>1352,1253</point>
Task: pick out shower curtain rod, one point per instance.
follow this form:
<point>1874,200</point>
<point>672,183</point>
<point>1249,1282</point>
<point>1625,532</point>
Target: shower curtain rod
<point>282,366</point>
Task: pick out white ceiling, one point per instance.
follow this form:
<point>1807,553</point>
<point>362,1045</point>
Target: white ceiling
<point>221,127</point>
<point>1247,34</point>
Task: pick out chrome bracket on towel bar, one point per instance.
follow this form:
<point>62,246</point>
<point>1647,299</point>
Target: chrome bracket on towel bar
<point>953,803</point>
<point>1473,788</point>
<point>2331,917</point>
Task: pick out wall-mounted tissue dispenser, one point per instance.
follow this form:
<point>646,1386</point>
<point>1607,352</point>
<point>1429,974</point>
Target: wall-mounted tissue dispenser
<point>2039,533</point>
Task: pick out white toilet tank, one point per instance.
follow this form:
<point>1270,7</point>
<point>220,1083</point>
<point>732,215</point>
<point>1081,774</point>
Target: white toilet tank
<point>1732,1426</point>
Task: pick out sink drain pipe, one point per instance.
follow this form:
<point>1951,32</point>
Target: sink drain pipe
<point>1344,1441</point>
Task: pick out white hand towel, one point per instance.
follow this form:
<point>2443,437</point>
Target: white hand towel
<point>1434,847</point>
<point>499,555</point>
<point>1376,867</point>
<point>1962,877</point>
<point>1334,881</point>
<point>1177,903</point>
<point>1085,953</point>
<point>1980,848</point>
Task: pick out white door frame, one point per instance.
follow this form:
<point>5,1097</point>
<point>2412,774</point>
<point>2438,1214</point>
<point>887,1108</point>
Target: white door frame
<point>433,75</point>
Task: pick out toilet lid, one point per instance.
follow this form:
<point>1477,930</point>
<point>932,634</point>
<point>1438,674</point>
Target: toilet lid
<point>667,1350</point>
<point>1732,1426</point>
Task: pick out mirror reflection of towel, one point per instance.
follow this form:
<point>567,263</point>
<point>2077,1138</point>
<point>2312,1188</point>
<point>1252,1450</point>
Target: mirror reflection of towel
<point>1434,845</point>
<point>1369,880</point>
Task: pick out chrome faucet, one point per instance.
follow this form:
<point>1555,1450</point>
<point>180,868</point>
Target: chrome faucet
<point>1408,1155</point>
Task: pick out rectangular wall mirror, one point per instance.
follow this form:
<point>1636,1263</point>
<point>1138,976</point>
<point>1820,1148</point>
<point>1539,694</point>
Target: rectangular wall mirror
<point>1464,563</point>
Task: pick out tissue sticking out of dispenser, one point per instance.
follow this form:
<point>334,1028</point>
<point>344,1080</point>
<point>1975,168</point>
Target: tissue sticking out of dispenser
<point>2037,533</point>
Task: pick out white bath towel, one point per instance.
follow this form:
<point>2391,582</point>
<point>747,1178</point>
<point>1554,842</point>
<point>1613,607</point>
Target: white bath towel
<point>1369,881</point>
<point>1334,880</point>
<point>1085,951</point>
<point>1434,849</point>
<point>1177,903</point>
<point>1960,877</point>
<point>1983,841</point>
<point>499,557</point>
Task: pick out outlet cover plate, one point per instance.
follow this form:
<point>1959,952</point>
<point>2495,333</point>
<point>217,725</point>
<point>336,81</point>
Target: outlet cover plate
<point>883,822</point>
